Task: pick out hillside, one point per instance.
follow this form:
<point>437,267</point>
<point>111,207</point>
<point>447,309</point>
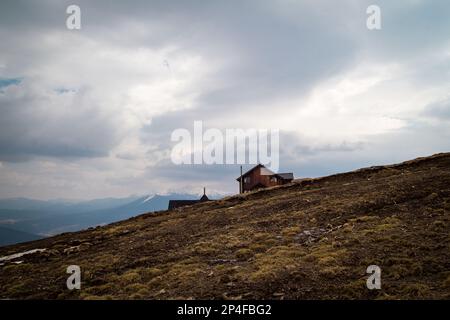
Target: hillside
<point>312,239</point>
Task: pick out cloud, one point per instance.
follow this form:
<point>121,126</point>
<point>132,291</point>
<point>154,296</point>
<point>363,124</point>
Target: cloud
<point>99,104</point>
<point>37,123</point>
<point>439,109</point>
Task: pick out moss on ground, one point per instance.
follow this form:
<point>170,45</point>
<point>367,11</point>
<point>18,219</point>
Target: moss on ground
<point>312,239</point>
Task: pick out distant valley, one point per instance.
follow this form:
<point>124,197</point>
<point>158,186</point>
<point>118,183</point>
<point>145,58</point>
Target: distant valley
<point>23,219</point>
<point>10,236</point>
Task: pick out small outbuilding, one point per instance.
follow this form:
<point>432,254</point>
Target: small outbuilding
<point>181,203</point>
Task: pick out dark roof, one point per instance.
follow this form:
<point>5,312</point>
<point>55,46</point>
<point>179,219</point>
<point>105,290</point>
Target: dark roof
<point>204,198</point>
<point>181,203</point>
<point>286,176</point>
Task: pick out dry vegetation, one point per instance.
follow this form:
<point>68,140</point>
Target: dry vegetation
<point>312,239</point>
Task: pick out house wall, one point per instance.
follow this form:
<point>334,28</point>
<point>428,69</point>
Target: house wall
<point>256,177</point>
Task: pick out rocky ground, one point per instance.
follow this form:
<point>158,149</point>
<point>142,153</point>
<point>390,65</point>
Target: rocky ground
<point>312,239</point>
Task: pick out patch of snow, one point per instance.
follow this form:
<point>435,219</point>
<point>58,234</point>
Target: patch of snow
<point>21,254</point>
<point>148,198</point>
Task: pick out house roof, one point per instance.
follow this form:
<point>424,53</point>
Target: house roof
<point>285,176</point>
<point>181,203</point>
<point>259,165</point>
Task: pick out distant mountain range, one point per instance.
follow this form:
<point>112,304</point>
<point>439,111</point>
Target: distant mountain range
<point>23,219</point>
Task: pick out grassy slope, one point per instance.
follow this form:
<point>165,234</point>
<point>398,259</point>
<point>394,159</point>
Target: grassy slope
<point>311,239</point>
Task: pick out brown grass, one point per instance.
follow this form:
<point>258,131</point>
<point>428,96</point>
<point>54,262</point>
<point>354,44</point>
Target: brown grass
<point>312,239</point>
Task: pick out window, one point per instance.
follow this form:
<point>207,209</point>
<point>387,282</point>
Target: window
<point>273,179</point>
<point>246,179</point>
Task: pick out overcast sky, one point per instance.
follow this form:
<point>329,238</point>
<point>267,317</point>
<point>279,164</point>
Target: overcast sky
<point>89,113</point>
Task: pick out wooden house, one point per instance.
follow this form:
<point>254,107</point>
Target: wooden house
<point>261,177</point>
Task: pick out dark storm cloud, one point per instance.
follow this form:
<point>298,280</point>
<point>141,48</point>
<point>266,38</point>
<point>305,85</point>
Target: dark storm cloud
<point>31,124</point>
<point>255,58</point>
